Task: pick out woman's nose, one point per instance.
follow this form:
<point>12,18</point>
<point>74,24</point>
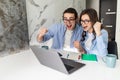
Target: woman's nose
<point>83,24</point>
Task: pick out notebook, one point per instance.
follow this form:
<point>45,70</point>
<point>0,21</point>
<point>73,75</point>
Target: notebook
<point>89,57</point>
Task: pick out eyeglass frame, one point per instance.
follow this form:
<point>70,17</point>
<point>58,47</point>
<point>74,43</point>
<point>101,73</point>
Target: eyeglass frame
<point>68,20</point>
<point>85,21</point>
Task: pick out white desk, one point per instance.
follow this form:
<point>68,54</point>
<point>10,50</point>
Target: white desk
<point>25,66</point>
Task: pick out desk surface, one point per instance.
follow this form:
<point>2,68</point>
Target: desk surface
<point>25,66</point>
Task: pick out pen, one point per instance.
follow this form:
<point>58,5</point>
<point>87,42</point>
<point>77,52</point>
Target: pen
<point>67,55</point>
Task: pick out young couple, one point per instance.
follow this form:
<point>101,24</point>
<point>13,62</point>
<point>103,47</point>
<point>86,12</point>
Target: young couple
<point>87,37</point>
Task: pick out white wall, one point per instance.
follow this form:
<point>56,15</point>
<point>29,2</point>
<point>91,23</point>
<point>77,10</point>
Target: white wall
<point>93,4</point>
<point>118,26</point>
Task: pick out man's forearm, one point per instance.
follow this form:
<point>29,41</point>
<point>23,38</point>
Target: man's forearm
<point>39,38</point>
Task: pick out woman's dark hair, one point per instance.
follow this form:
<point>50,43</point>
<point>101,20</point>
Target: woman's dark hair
<point>93,18</point>
<point>71,10</point>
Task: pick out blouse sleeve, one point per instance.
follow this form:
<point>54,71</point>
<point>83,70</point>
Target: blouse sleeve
<point>102,43</point>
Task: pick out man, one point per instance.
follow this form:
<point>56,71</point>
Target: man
<point>65,34</point>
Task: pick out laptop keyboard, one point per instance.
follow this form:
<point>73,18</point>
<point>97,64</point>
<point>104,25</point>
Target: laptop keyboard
<point>68,67</point>
<point>66,63</point>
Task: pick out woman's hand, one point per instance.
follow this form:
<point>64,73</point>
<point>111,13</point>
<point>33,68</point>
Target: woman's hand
<point>97,28</point>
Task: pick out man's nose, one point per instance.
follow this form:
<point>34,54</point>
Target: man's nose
<point>68,24</point>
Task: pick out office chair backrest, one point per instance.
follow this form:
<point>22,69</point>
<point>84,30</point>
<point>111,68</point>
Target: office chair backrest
<point>112,48</point>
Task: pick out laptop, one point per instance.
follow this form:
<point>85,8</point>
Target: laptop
<point>51,58</point>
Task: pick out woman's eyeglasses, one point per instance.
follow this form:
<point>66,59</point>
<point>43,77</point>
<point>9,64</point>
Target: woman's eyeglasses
<point>85,21</point>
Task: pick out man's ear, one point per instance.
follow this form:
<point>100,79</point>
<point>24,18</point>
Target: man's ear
<point>77,20</point>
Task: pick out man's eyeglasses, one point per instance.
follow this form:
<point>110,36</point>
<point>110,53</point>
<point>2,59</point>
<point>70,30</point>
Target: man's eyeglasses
<point>68,20</point>
<point>85,21</point>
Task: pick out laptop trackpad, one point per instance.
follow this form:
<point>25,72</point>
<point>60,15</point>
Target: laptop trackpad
<point>72,65</point>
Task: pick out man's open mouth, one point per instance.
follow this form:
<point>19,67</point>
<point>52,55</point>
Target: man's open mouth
<point>69,26</point>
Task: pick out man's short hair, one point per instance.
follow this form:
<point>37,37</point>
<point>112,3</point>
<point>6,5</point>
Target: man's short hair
<point>71,10</point>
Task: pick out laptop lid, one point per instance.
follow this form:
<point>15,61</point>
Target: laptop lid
<point>52,59</point>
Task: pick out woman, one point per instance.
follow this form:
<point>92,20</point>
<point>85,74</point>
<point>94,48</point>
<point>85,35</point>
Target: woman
<point>94,37</point>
